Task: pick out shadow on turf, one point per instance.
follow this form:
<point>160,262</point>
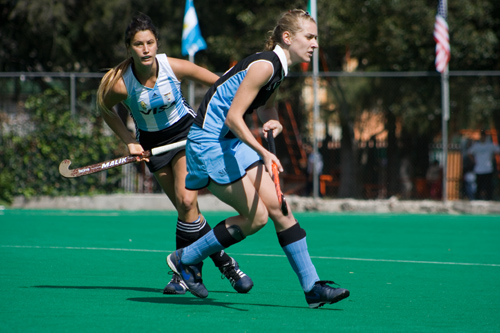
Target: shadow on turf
<point>177,300</point>
<point>150,290</point>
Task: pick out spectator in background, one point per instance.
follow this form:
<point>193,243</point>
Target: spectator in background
<point>434,177</point>
<point>482,153</point>
<point>314,161</point>
<point>469,175</point>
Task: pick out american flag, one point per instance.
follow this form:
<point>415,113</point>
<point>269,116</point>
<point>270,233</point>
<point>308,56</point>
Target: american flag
<point>441,37</point>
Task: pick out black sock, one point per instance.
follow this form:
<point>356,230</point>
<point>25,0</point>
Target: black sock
<point>291,235</point>
<point>188,233</point>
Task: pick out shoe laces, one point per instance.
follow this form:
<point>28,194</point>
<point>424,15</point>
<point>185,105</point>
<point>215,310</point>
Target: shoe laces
<point>229,271</point>
<point>175,277</point>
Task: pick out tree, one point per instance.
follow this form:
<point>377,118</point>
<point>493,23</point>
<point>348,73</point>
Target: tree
<point>383,35</point>
<point>397,36</point>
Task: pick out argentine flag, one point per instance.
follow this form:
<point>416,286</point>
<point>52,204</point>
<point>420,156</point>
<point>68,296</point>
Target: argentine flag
<point>192,41</point>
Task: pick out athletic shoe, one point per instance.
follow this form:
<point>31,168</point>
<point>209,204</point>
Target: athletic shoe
<point>176,286</point>
<point>191,275</point>
<point>239,280</point>
<point>322,294</point>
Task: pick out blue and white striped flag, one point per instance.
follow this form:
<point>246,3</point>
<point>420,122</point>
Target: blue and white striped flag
<point>192,41</point>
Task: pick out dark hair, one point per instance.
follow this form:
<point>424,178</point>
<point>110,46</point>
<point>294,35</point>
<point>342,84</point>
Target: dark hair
<point>290,21</point>
<point>140,22</point>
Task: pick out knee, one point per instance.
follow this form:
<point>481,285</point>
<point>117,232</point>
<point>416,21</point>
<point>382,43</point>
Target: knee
<point>186,203</point>
<point>260,219</point>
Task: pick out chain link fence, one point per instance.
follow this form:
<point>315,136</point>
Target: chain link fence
<point>378,134</point>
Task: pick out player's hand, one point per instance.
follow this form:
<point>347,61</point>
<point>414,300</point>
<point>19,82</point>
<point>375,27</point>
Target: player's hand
<point>269,158</point>
<point>274,125</point>
<point>136,149</point>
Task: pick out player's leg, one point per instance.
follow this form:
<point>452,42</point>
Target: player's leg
<point>165,178</point>
<point>290,235</point>
<point>191,225</point>
<point>292,239</point>
<point>241,195</point>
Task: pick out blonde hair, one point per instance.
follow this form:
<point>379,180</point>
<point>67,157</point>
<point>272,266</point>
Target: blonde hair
<point>109,80</point>
<point>140,22</point>
<point>289,21</point>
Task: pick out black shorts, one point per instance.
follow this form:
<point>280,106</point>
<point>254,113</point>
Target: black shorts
<point>174,133</point>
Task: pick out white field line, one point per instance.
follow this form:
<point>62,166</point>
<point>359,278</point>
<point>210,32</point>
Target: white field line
<point>253,255</point>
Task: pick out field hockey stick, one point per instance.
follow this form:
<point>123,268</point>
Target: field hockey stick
<point>65,171</point>
<point>276,178</point>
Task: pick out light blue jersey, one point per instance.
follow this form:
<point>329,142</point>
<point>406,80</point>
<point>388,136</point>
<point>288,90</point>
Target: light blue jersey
<point>213,110</point>
<point>213,152</point>
<point>155,109</point>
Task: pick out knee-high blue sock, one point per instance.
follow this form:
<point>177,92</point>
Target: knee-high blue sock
<point>293,242</point>
<point>214,241</point>
<point>202,248</point>
<point>189,232</point>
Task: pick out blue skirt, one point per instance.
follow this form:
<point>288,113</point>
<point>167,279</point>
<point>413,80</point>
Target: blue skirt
<point>222,160</point>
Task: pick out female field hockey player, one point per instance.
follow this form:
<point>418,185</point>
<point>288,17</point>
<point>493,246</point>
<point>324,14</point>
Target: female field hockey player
<point>148,84</point>
<point>224,156</point>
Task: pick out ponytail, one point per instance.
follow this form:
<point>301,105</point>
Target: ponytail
<point>289,21</point>
<point>108,81</point>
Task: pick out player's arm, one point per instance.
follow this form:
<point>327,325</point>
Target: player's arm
<point>184,69</point>
<point>115,95</point>
<point>257,76</point>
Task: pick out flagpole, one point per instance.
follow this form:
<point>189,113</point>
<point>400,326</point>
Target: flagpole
<point>314,15</point>
<point>442,38</point>
<point>445,105</point>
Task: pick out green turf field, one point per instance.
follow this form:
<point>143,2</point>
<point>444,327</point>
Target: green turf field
<point>103,271</point>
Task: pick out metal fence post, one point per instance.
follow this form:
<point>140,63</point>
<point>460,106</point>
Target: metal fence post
<point>72,88</point>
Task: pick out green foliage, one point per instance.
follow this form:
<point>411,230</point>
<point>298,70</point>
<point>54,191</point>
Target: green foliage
<point>30,160</point>
<point>47,35</point>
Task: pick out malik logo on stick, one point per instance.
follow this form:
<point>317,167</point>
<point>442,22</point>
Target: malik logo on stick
<point>65,171</point>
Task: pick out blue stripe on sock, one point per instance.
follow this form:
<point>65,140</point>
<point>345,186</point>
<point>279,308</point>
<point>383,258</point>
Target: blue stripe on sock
<point>299,258</point>
<point>202,248</point>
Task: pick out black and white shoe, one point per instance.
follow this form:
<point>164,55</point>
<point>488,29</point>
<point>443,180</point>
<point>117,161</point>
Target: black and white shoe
<point>322,294</point>
<point>241,282</point>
